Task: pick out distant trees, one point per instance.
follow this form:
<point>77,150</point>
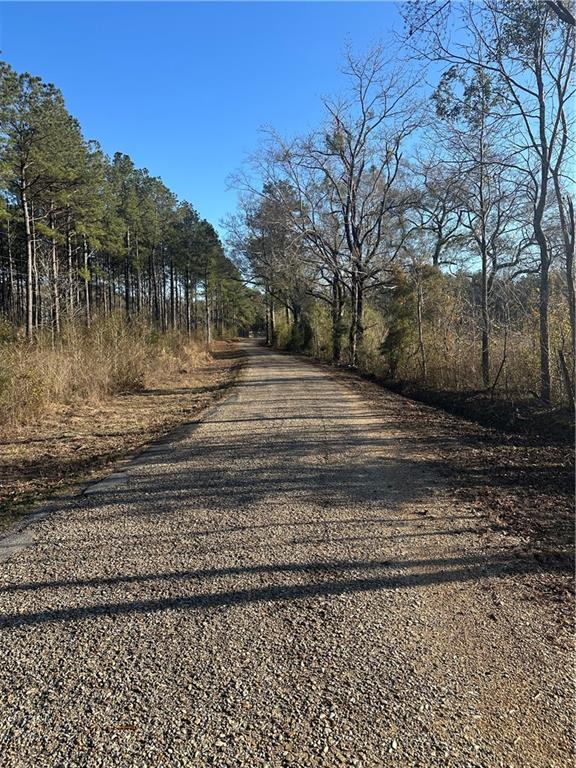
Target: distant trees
<point>83,234</point>
<point>357,157</point>
<point>431,239</point>
<point>340,197</point>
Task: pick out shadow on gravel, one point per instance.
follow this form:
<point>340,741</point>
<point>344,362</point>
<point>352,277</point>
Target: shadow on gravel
<point>457,569</point>
<point>223,484</point>
<point>524,482</point>
<point>487,565</point>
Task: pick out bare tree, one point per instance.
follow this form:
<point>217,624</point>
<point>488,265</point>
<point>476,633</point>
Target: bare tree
<point>528,49</point>
<point>358,157</point>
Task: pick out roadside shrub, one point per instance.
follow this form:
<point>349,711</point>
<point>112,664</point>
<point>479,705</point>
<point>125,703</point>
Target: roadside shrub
<point>87,364</point>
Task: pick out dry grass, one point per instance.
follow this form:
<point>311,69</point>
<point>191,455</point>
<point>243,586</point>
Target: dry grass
<point>86,365</point>
<point>70,412</point>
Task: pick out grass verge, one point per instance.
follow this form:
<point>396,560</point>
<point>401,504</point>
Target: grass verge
<point>75,441</point>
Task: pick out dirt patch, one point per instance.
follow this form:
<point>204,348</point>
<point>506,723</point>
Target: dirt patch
<point>76,443</point>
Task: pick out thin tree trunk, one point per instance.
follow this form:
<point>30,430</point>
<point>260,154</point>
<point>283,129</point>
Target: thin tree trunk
<point>13,311</point>
<point>163,292</point>
<point>138,276</point>
<point>267,316</point>
<point>545,379</point>
<point>86,281</point>
<point>36,296</point>
<point>127,277</point>
<point>336,318</point>
<point>172,296</point>
<point>567,228</point>
<point>55,278</point>
<point>356,321</point>
<point>485,327</point>
<point>272,321</point>
<point>207,318</point>
<point>29,261</point>
<point>421,348</point>
<point>155,297</point>
<point>187,301</point>
<point>70,268</point>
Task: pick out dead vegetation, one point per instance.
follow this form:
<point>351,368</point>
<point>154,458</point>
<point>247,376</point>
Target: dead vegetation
<point>86,365</point>
<point>69,412</point>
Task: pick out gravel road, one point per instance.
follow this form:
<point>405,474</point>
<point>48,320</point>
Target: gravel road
<point>287,583</point>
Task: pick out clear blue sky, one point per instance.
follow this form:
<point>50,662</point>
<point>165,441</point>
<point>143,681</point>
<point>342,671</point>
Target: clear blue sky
<point>184,87</point>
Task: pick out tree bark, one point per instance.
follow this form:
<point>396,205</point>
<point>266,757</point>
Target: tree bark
<point>207,319</point>
<point>87,308</point>
<point>421,348</point>
<point>337,305</point>
<point>29,259</point>
<point>356,322</point>
<point>127,276</point>
<point>55,278</point>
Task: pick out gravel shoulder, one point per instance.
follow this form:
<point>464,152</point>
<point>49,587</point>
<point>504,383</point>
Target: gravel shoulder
<point>292,582</point>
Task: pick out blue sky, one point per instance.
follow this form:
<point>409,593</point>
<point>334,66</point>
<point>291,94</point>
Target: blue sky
<point>184,87</point>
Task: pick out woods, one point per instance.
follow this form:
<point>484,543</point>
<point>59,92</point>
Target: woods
<point>427,234</point>
<point>422,233</point>
<point>85,236</point>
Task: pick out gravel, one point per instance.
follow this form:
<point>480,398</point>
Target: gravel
<point>288,583</point>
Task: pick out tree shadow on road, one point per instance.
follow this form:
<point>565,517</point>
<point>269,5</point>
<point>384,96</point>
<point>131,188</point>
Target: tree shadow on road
<point>333,574</point>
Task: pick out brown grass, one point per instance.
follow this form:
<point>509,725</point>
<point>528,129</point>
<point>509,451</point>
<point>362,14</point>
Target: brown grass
<point>68,413</point>
<point>86,365</point>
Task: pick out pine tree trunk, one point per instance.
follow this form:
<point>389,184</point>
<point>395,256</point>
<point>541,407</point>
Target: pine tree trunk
<point>207,318</point>
<point>127,277</point>
<point>29,260</point>
<point>70,269</point>
<point>55,278</point>
<point>138,276</point>
<point>187,301</point>
<point>155,297</point>
<point>36,296</point>
<point>86,281</point>
<point>172,296</point>
<point>163,293</point>
<point>13,309</point>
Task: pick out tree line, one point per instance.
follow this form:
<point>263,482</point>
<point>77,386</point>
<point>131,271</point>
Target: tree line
<point>430,236</point>
<point>83,234</point>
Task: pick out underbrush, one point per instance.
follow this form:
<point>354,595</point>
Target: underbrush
<point>453,377</point>
<point>549,424</point>
<point>87,365</point>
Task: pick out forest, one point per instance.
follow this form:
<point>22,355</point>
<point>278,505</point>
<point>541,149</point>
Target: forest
<point>85,235</point>
<point>102,269</point>
<point>429,236</point>
<point>420,233</point>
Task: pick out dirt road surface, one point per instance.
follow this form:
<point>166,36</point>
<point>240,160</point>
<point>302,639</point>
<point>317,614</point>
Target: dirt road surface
<point>287,583</point>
